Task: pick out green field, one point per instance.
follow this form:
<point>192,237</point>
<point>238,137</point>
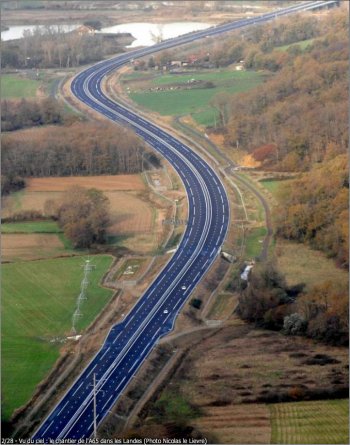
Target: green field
<point>303,44</point>
<point>31,227</point>
<point>38,301</point>
<point>254,242</point>
<point>273,185</point>
<point>195,101</point>
<point>14,87</point>
<point>318,422</point>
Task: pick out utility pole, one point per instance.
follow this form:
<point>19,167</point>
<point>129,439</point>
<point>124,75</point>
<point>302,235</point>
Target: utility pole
<point>95,422</point>
<point>94,394</point>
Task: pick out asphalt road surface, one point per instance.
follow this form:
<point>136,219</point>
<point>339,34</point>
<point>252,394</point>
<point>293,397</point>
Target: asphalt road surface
<point>130,342</point>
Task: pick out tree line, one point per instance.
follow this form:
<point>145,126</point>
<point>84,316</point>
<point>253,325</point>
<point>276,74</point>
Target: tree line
<point>51,47</point>
<point>80,149</point>
<point>16,115</point>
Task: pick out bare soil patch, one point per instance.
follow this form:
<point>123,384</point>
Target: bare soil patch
<point>105,183</point>
<point>16,247</point>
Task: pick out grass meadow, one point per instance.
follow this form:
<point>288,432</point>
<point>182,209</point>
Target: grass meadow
<point>195,101</point>
<point>38,301</point>
<point>273,185</point>
<point>14,87</point>
<point>31,227</point>
<point>303,44</point>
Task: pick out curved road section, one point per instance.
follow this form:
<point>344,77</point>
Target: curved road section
<point>129,342</point>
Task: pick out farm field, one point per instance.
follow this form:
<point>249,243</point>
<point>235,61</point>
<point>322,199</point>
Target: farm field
<point>38,301</point>
<point>234,375</point>
<point>34,246</point>
<point>135,220</point>
<point>194,101</point>
<point>236,424</point>
<point>105,183</point>
<point>315,422</point>
<point>324,421</point>
<point>15,87</point>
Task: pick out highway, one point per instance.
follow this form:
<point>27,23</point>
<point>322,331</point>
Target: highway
<point>131,341</point>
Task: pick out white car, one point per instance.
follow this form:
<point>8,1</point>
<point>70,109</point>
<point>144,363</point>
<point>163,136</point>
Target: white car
<point>165,311</point>
<point>183,287</point>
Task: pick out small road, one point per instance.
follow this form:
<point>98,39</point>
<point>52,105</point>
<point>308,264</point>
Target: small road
<point>130,342</point>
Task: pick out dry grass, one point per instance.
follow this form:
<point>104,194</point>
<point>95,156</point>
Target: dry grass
<point>228,373</point>
<point>223,306</point>
<point>300,264</point>
<point>18,247</point>
<point>129,214</point>
<point>26,200</point>
<point>105,183</point>
<point>244,365</point>
<point>236,424</point>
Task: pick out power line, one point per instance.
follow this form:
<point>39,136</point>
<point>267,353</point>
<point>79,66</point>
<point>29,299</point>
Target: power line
<point>88,267</point>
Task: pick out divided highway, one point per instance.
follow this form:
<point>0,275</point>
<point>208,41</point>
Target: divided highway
<point>130,342</point>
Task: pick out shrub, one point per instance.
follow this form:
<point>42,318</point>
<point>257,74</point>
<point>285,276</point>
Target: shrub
<point>294,324</point>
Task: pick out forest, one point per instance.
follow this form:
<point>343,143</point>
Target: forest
<point>297,121</point>
<point>314,209</point>
<point>83,148</point>
<point>301,111</point>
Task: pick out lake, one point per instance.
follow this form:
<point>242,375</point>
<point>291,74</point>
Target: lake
<point>145,34</point>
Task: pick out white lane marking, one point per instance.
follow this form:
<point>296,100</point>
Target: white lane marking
<point>117,337</point>
<point>154,335</point>
<point>47,428</point>
<point>133,366</point>
<point>106,403</point>
<point>104,353</point>
<point>130,320</point>
<point>78,387</point>
<point>196,277</point>
<point>62,408</point>
<point>167,318</point>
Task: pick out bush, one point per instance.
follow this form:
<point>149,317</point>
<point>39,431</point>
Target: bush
<point>294,324</point>
<point>196,303</point>
<point>11,184</point>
